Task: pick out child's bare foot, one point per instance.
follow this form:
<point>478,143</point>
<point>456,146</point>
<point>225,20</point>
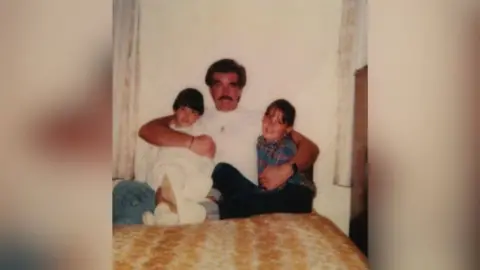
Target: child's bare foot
<point>166,219</point>
<point>162,216</point>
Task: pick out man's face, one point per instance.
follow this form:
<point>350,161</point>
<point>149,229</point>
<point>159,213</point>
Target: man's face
<point>225,91</point>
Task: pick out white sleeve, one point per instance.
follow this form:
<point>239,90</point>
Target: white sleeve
<point>198,129</point>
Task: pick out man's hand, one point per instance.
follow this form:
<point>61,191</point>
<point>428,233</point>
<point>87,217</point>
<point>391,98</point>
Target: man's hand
<point>203,145</point>
<point>274,176</point>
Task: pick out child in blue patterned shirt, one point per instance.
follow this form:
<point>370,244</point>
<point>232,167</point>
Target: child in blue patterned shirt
<point>275,146</point>
<point>242,198</point>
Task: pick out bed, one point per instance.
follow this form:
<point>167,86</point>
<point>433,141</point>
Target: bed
<point>276,241</point>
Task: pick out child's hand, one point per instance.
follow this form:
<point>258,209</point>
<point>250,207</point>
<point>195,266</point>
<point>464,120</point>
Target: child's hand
<point>274,176</point>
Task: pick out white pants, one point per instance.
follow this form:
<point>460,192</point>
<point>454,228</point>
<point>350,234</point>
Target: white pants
<point>194,185</point>
<point>188,186</point>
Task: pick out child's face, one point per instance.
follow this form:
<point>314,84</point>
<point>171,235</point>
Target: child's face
<point>185,117</point>
<point>273,127</point>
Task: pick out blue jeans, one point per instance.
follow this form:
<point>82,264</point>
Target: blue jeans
<point>130,200</point>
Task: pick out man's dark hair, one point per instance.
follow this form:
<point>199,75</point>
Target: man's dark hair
<point>190,98</point>
<point>287,109</point>
<point>226,66</point>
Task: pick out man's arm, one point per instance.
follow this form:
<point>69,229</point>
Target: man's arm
<point>307,151</point>
<point>158,132</point>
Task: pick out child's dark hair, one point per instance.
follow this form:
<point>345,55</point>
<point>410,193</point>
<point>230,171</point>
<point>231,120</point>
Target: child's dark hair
<point>190,98</point>
<point>286,108</point>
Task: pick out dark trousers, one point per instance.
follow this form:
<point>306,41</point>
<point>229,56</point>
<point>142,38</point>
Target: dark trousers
<point>241,198</point>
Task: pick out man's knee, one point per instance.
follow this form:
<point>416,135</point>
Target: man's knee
<point>222,169</point>
<point>225,176</point>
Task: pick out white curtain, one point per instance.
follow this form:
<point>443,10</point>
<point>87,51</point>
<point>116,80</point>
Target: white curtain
<point>126,78</point>
<point>351,55</point>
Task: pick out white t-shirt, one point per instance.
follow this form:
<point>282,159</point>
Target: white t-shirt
<point>235,134</point>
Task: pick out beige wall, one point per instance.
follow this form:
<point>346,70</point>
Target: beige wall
<point>288,47</point>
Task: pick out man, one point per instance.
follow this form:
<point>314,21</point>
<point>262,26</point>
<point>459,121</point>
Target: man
<point>231,132</point>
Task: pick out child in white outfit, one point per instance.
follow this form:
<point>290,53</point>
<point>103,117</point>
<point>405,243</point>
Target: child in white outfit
<point>181,178</point>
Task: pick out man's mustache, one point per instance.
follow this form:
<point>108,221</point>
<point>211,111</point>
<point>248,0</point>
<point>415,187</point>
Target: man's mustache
<point>225,98</point>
